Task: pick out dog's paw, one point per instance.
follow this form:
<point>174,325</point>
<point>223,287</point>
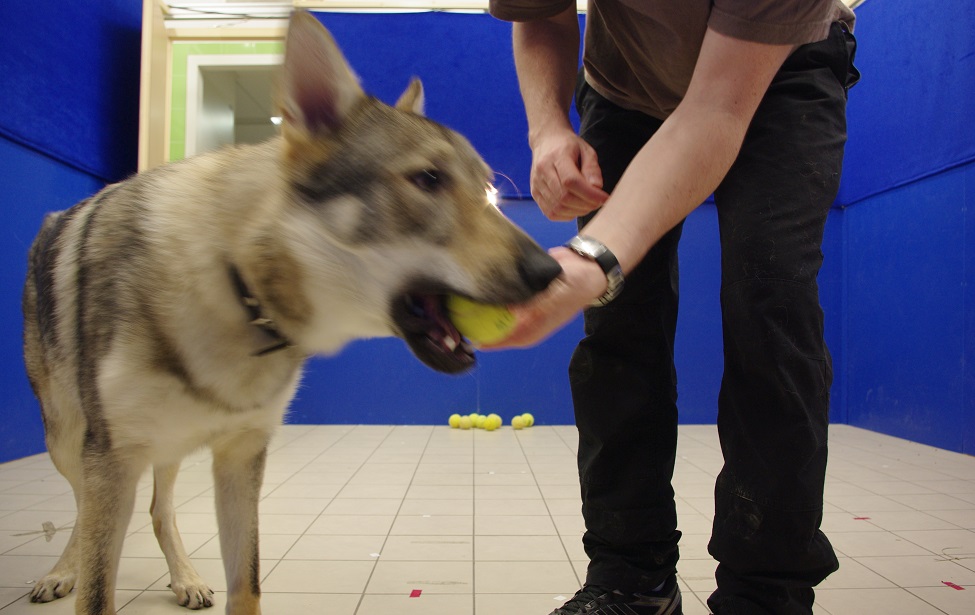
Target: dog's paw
<point>193,594</point>
<point>52,587</point>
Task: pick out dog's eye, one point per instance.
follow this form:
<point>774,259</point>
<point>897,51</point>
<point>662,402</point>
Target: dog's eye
<point>428,180</point>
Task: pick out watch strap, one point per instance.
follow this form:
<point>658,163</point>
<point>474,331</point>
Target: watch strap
<point>596,251</point>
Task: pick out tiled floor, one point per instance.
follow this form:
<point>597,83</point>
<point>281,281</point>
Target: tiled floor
<point>355,519</point>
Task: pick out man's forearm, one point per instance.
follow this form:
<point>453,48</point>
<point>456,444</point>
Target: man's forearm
<point>667,179</point>
<point>691,153</point>
<point>546,57</point>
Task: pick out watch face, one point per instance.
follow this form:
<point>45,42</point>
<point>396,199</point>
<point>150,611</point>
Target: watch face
<point>593,247</point>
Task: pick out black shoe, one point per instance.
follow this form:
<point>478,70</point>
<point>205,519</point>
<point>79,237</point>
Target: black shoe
<point>594,600</point>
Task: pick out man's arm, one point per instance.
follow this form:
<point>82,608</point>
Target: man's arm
<point>694,148</point>
<point>565,179</point>
<point>674,172</point>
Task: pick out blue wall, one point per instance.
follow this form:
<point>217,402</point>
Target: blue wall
<point>897,285</point>
<point>910,282</point>
<point>909,198</point>
<point>69,105</point>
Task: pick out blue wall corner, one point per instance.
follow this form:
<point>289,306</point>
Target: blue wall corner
<point>33,184</point>
<point>910,340</point>
<point>71,83</point>
<point>968,309</point>
<point>911,114</point>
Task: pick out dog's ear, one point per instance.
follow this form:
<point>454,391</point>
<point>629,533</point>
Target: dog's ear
<point>412,100</point>
<point>318,88</point>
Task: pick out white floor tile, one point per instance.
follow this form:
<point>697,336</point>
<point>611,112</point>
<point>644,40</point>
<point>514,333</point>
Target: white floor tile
<point>363,520</point>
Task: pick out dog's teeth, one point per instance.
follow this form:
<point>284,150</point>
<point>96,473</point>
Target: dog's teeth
<point>450,343</point>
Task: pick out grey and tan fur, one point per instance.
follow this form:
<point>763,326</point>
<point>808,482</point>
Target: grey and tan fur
<point>175,310</point>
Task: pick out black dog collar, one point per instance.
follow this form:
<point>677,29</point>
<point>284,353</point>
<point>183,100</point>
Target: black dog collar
<point>257,317</point>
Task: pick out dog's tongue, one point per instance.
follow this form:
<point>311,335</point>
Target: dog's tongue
<point>444,332</point>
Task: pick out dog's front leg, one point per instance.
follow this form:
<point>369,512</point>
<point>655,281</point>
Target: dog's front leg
<point>108,494</point>
<point>238,471</point>
<point>190,589</point>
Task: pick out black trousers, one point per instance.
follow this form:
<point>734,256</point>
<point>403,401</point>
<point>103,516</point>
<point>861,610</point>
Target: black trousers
<point>773,405</point>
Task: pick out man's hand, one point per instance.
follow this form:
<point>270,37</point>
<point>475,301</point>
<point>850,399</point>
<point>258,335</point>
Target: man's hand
<point>580,282</point>
<point>566,181</point>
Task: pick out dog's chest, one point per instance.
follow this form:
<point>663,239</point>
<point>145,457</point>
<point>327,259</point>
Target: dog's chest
<point>168,416</point>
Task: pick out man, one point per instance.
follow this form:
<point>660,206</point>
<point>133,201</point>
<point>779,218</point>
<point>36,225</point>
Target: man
<point>680,99</point>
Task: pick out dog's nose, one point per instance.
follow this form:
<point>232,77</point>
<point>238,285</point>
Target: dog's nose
<point>537,268</point>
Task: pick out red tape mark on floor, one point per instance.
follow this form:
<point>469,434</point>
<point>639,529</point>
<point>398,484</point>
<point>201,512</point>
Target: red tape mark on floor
<point>416,593</point>
<point>952,585</point>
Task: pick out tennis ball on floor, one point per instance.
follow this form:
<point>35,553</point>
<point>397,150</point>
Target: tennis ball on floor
<point>528,418</point>
<point>479,421</point>
<point>481,323</point>
<point>518,422</point>
<point>464,422</point>
<point>454,421</point>
<point>490,424</point>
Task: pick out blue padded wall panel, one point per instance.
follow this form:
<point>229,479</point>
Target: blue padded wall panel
<point>911,114</point>
<point>910,277</point>
<point>968,314</point>
<point>70,76</point>
<point>32,185</point>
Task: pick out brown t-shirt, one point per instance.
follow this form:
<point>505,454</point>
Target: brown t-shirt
<point>640,54</point>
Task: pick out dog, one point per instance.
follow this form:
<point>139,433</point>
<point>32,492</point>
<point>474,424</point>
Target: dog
<point>175,309</point>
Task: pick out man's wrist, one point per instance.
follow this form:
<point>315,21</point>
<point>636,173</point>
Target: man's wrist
<point>553,124</point>
<point>596,251</point>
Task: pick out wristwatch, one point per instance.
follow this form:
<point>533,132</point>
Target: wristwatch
<point>596,251</point>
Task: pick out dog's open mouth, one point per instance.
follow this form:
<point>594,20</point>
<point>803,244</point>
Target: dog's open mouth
<point>423,322</point>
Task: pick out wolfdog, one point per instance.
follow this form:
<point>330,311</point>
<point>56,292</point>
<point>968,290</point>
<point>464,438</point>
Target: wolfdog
<point>175,309</point>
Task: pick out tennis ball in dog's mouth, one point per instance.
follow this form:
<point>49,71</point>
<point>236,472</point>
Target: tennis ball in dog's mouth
<point>481,323</point>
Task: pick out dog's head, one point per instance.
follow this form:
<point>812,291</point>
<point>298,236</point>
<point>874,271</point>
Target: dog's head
<point>389,211</point>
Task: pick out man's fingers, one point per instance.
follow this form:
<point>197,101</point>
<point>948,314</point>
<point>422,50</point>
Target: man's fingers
<point>573,182</point>
<point>589,165</point>
<point>573,207</point>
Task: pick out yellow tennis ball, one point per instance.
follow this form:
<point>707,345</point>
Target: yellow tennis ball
<point>454,421</point>
<point>490,424</point>
<point>464,422</point>
<point>497,419</point>
<point>528,418</point>
<point>479,421</point>
<point>480,322</point>
<point>518,422</point>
